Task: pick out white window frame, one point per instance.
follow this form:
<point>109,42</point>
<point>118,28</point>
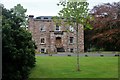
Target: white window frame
<point>56,28</point>
<point>43,41</point>
<point>44,50</point>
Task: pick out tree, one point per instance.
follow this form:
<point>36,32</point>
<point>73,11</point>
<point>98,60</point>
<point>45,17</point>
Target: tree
<point>18,52</point>
<point>75,13</point>
<point>1,38</point>
<point>19,11</point>
<point>106,31</point>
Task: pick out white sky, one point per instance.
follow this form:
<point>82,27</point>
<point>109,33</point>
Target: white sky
<point>45,7</point>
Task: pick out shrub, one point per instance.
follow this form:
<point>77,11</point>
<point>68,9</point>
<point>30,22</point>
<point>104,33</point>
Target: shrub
<point>18,49</point>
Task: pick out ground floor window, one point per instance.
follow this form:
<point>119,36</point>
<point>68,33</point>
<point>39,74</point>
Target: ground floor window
<point>42,40</point>
<point>71,40</point>
<point>71,50</point>
<point>42,50</point>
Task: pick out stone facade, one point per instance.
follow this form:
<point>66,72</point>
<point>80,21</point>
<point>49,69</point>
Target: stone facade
<point>51,38</point>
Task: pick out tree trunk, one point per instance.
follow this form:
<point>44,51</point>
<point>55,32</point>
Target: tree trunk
<point>78,63</point>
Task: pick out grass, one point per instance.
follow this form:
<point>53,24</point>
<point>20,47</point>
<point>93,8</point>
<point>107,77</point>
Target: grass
<point>104,52</point>
<point>65,67</point>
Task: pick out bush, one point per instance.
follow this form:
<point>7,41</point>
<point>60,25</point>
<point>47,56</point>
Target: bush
<point>18,55</point>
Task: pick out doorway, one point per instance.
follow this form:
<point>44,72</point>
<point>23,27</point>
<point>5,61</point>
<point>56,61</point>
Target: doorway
<point>59,45</point>
<point>58,40</point>
<point>60,49</point>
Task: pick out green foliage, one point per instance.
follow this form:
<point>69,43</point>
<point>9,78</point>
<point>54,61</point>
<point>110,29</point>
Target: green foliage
<point>76,0</point>
<point>75,13</point>
<point>106,32</point>
<point>18,49</point>
<point>19,11</point>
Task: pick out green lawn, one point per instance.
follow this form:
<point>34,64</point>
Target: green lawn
<point>65,67</point>
<point>104,52</point>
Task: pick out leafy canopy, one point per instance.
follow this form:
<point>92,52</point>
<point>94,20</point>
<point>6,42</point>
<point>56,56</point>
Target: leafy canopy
<point>19,11</point>
<point>74,12</point>
<point>106,24</point>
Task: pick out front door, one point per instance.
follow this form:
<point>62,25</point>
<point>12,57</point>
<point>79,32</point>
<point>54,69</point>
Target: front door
<point>60,49</point>
<point>58,42</point>
<point>59,45</point>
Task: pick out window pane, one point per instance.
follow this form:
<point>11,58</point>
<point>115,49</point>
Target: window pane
<point>71,39</point>
<point>57,28</point>
<point>71,50</point>
<point>42,29</point>
<point>42,50</point>
<point>42,40</point>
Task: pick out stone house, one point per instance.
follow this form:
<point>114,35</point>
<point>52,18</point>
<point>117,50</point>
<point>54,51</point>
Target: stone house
<point>51,38</point>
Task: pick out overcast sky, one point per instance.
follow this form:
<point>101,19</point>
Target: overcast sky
<point>45,7</point>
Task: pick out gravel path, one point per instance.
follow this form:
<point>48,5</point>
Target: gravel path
<point>81,54</point>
